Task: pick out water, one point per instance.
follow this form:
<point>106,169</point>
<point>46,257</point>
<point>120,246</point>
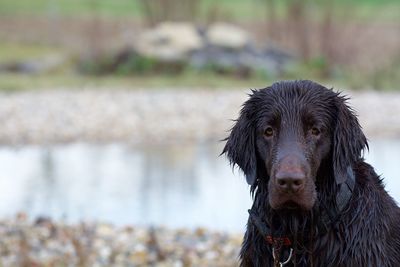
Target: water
<point>175,186</point>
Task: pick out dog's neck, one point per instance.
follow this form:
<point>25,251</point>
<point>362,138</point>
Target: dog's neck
<point>299,225</point>
<point>293,223</point>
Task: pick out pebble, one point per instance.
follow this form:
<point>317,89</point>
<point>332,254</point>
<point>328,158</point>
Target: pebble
<point>152,116</point>
<point>98,244</point>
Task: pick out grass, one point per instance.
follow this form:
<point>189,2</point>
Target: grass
<point>227,9</point>
<point>11,82</point>
<point>15,52</point>
<point>70,7</point>
<point>384,78</point>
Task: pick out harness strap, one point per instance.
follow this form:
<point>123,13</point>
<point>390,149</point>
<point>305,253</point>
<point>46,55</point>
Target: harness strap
<point>330,217</point>
<point>346,190</point>
<point>266,232</point>
<point>276,241</point>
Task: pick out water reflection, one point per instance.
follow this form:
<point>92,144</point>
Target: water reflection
<point>177,186</point>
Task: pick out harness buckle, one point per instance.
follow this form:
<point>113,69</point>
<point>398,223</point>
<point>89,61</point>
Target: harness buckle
<point>276,257</point>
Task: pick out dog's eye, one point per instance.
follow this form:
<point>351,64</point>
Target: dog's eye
<point>315,131</point>
<point>268,132</point>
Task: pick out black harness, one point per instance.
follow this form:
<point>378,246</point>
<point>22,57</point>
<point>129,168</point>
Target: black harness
<point>329,219</point>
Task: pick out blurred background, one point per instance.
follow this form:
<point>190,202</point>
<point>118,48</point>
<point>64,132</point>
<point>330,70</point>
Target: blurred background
<point>112,112</point>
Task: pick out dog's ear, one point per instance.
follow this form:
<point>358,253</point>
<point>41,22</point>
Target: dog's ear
<point>240,146</point>
<point>348,141</point>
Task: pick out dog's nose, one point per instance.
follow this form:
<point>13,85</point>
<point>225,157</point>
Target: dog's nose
<point>290,181</point>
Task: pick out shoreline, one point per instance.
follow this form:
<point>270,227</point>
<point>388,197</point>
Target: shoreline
<point>43,242</point>
<point>153,116</point>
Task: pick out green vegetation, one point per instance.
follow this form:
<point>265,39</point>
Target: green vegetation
<point>137,75</point>
<point>17,82</point>
<point>14,52</point>
<point>224,9</point>
<point>385,79</point>
<point>70,7</point>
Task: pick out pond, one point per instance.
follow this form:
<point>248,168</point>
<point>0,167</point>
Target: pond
<point>175,186</point>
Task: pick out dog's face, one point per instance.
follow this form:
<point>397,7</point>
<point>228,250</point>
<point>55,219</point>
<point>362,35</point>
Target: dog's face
<point>284,134</point>
<point>293,136</point>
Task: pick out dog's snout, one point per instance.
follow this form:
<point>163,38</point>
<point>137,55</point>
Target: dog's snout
<point>290,176</point>
<point>290,181</point>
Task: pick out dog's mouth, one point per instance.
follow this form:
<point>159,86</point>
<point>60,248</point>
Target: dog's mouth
<point>301,200</point>
<point>291,205</point>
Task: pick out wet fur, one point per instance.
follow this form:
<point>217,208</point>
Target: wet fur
<point>367,232</point>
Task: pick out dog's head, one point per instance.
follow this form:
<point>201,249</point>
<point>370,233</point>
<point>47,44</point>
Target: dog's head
<point>286,133</point>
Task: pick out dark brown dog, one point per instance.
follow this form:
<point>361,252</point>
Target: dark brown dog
<point>316,202</point>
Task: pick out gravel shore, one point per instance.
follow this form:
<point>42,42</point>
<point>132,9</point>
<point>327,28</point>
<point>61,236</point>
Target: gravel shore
<point>45,243</point>
<point>152,116</point>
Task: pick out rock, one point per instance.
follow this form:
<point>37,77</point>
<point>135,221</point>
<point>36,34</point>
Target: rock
<point>171,47</point>
<point>21,216</point>
<point>215,57</point>
<point>169,41</point>
<point>227,36</point>
<point>43,220</point>
<point>40,65</point>
<point>270,60</point>
<point>105,230</point>
<point>140,256</point>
